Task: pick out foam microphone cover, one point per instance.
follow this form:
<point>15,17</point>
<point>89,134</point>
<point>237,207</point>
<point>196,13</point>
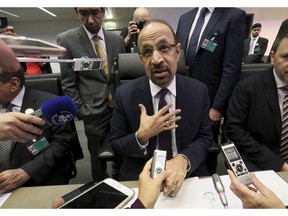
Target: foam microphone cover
<point>59,110</point>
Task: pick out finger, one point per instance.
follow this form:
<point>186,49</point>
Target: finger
<point>142,109</point>
<point>58,202</point>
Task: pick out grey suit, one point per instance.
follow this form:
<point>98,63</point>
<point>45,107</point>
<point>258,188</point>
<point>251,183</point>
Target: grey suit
<point>89,89</point>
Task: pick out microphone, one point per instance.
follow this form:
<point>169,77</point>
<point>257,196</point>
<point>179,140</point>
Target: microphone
<point>220,189</point>
<point>57,111</point>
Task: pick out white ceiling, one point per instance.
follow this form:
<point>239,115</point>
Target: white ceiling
<point>63,13</point>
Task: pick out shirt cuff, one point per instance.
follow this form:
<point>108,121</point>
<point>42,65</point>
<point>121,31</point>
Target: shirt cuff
<point>189,164</point>
<point>142,147</point>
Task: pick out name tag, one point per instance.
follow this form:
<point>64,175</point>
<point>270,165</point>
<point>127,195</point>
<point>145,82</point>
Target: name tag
<point>35,147</point>
<point>209,45</point>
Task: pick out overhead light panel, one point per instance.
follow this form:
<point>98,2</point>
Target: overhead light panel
<point>11,14</point>
<point>50,13</point>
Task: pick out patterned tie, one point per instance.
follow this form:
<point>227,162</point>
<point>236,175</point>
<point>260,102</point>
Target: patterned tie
<point>284,135</point>
<point>165,137</point>
<point>102,56</point>
<point>192,49</point>
<point>5,146</point>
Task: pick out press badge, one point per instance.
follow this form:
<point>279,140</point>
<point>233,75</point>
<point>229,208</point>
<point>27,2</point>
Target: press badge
<point>209,45</point>
<point>35,147</point>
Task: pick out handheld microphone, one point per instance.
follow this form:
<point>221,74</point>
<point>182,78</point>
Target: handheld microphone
<point>220,189</point>
<point>58,110</point>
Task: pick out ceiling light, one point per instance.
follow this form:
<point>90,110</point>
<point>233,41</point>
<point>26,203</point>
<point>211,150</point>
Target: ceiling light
<point>43,9</point>
<point>11,14</point>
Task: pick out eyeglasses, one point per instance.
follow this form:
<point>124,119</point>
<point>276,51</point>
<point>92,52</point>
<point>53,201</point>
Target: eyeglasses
<point>85,14</point>
<point>163,49</point>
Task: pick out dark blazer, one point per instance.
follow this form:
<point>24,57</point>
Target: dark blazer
<point>254,121</point>
<point>52,166</point>
<point>219,70</point>
<point>88,89</point>
<point>259,50</point>
<point>193,136</point>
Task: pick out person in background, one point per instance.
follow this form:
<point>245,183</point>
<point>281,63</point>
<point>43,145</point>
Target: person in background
<point>255,46</point>
<point>91,90</point>
<point>258,196</point>
<point>139,125</point>
<point>43,161</point>
<point>130,33</point>
<point>256,114</point>
<point>33,68</point>
<point>215,58</point>
<point>9,30</point>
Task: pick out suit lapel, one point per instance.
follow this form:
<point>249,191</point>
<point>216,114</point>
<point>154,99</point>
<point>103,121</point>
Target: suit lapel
<point>29,101</point>
<point>85,42</point>
<point>217,13</point>
<point>271,95</point>
<point>188,23</point>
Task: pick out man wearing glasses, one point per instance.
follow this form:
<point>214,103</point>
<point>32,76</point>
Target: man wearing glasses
<point>90,90</point>
<point>137,125</point>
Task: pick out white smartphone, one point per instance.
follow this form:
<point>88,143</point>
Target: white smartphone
<point>23,46</point>
<point>236,164</point>
<point>108,194</point>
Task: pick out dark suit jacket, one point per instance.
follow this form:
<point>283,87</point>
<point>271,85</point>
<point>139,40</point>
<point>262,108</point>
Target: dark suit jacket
<point>193,136</point>
<point>219,70</point>
<point>89,89</point>
<point>254,121</point>
<point>259,50</point>
<point>52,166</point>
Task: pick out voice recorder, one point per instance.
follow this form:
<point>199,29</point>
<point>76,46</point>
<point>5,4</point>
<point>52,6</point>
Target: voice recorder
<point>159,163</point>
<point>236,163</point>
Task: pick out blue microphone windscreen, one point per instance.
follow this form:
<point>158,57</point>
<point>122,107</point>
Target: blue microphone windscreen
<point>59,110</point>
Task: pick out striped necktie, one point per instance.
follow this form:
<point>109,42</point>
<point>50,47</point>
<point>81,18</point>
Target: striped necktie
<point>284,135</point>
<point>5,146</point>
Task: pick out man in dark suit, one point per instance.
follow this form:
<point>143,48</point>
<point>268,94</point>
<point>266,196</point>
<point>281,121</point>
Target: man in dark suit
<point>91,90</point>
<point>136,123</point>
<point>255,46</point>
<point>217,59</point>
<point>43,161</point>
<point>254,114</point>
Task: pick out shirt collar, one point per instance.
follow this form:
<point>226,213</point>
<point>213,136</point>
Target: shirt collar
<point>154,89</point>
<point>91,36</point>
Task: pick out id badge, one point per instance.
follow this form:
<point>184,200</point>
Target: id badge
<point>35,147</point>
<point>209,45</point>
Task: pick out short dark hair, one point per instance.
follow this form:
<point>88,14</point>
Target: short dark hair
<point>256,25</point>
<point>278,41</point>
<point>5,76</point>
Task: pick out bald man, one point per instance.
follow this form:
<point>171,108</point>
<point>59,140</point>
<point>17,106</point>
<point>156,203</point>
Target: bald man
<point>130,33</point>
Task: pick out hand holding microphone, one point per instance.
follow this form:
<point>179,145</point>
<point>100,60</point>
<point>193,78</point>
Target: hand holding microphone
<point>57,111</point>
<point>220,189</point>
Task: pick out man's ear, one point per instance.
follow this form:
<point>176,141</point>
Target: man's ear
<point>14,84</point>
<point>272,56</point>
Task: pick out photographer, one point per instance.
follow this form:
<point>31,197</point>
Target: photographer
<point>130,33</point>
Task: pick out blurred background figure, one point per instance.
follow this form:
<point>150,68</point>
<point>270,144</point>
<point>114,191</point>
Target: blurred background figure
<point>33,68</point>
<point>255,46</point>
<point>130,33</point>
<point>9,30</point>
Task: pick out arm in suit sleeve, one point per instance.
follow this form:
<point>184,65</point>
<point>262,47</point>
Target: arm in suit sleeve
<point>249,126</point>
<point>232,59</point>
<point>124,123</point>
<point>69,77</point>
<point>54,157</point>
<point>195,129</point>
